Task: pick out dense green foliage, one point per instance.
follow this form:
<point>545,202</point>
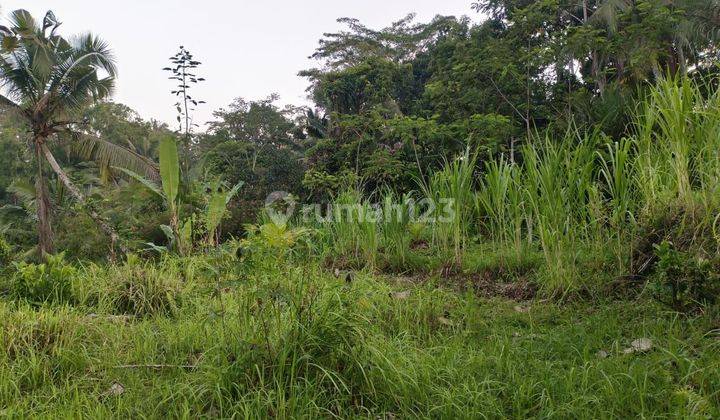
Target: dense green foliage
<point>42,283</point>
<point>413,94</point>
<point>518,217</point>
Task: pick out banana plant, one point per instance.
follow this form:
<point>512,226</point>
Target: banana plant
<point>169,190</point>
<point>216,209</point>
<point>180,232</point>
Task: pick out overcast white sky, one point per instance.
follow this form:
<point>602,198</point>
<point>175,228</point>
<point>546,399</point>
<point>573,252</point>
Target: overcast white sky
<point>248,48</point>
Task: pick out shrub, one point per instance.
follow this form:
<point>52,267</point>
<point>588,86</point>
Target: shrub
<point>5,254</point>
<point>50,281</point>
<point>274,242</point>
<point>683,280</point>
<point>5,267</point>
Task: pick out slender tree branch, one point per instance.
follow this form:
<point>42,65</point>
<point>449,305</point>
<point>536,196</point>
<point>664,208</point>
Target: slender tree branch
<point>504,98</point>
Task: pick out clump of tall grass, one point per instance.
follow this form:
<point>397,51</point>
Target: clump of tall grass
<point>676,168</point>
<point>26,331</point>
<point>449,192</point>
<point>500,204</point>
<point>550,200</point>
<point>586,190</point>
<point>137,288</point>
<point>41,347</point>
<point>397,216</point>
<point>352,224</point>
<point>362,233</point>
<point>568,197</point>
<point>678,135</point>
<point>558,184</point>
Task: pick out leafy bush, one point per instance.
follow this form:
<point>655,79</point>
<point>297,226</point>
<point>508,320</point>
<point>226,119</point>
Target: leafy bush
<point>80,238</point>
<point>683,280</point>
<point>5,266</point>
<point>5,254</point>
<point>50,281</point>
<point>274,242</point>
<point>323,185</point>
<point>263,170</point>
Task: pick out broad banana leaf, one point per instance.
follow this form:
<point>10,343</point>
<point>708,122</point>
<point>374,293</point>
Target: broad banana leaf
<point>170,170</point>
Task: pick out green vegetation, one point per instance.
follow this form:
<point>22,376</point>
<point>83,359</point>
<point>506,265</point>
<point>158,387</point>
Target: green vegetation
<point>176,340</point>
<point>516,218</point>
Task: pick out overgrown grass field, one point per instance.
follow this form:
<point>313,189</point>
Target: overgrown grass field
<point>512,215</point>
<point>580,282</point>
<point>182,340</point>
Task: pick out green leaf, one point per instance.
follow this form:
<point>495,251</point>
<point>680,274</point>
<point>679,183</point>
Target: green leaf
<point>149,184</point>
<point>185,233</point>
<point>170,170</point>
<point>9,43</point>
<point>229,196</point>
<point>167,230</point>
<point>215,211</point>
<point>157,248</point>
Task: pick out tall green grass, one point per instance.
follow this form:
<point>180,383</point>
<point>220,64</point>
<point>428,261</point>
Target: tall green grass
<point>293,342</point>
<point>353,228</point>
<point>581,194</point>
<point>398,214</point>
<point>450,193</point>
<point>588,191</point>
<point>500,203</point>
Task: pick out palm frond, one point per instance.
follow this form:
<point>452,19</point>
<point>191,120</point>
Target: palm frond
<point>85,89</point>
<point>17,78</point>
<point>608,12</point>
<point>81,60</point>
<point>16,221</point>
<point>108,154</point>
<point>91,50</point>
<point>49,75</point>
<point>4,101</point>
<point>146,182</point>
<point>11,212</point>
<point>24,191</point>
<point>50,21</point>
<point>23,22</point>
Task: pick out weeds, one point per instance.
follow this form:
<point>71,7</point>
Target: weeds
<point>450,194</point>
<point>305,344</point>
<point>49,282</point>
<point>136,288</point>
<point>685,281</point>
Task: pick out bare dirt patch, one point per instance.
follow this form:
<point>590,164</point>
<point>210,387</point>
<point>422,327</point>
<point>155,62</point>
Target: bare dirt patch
<point>488,283</point>
<point>491,284</point>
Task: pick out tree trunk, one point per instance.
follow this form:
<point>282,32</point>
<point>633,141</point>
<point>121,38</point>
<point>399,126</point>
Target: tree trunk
<point>598,79</point>
<point>672,61</point>
<point>42,198</point>
<point>102,223</point>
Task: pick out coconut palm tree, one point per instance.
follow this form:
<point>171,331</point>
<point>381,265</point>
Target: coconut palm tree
<point>48,80</point>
